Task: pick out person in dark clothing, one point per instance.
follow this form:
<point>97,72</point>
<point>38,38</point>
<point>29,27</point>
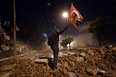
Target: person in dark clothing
<point>53,41</point>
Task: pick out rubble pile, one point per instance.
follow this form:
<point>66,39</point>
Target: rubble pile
<point>6,45</point>
<point>89,62</point>
<point>4,40</point>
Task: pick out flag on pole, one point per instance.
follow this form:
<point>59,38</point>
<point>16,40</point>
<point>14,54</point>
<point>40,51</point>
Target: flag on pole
<point>74,16</point>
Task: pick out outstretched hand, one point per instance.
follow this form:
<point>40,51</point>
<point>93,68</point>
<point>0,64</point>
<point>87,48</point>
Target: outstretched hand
<point>67,25</point>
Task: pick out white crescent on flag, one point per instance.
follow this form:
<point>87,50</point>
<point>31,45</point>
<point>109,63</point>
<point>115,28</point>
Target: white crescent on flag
<point>74,16</point>
<point>78,16</point>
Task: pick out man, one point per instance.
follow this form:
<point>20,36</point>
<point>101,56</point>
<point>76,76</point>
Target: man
<point>53,41</point>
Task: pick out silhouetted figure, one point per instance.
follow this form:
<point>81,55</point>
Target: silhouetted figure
<point>53,41</point>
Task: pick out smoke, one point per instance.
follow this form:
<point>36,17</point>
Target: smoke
<point>84,38</point>
<point>81,36</point>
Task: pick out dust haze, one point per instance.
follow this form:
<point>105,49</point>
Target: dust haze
<point>82,37</point>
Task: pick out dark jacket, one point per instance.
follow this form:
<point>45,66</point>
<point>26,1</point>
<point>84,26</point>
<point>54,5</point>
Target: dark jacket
<point>54,38</point>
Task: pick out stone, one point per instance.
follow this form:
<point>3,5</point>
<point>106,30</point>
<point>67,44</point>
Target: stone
<point>82,54</point>
<point>41,61</point>
<point>50,56</point>
<point>65,64</point>
<point>113,66</point>
<point>110,46</point>
<point>71,74</point>
<point>61,54</point>
<point>7,67</point>
<point>114,48</point>
<point>46,56</point>
<point>65,71</point>
<point>90,52</point>
<point>101,72</point>
<point>71,53</point>
<point>91,72</point>
<point>80,59</point>
<point>5,74</point>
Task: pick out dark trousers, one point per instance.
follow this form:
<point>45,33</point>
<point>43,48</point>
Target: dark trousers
<point>55,53</point>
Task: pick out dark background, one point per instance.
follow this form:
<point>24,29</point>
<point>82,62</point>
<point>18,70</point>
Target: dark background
<point>43,15</point>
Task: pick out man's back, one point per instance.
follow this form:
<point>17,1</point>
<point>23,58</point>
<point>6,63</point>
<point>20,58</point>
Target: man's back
<point>53,39</point>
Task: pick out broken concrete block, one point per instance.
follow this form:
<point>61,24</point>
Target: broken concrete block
<point>71,53</point>
<point>82,54</point>
<point>46,56</point>
<point>71,74</point>
<point>61,54</point>
<point>114,48</point>
<point>80,59</point>
<point>101,72</point>
<point>5,74</point>
<point>7,67</point>
<point>41,60</point>
<point>50,56</point>
<point>91,72</point>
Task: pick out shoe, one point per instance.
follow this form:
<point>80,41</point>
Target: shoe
<point>55,67</point>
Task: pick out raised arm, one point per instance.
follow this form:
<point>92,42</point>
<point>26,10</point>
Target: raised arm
<point>63,30</point>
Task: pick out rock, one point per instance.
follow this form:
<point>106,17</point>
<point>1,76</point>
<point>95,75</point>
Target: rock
<point>71,74</point>
<point>114,48</point>
<point>41,61</point>
<point>57,74</point>
<point>5,74</point>
<point>82,54</point>
<point>91,72</point>
<point>79,59</point>
<point>102,52</point>
<point>47,67</point>
<point>71,53</point>
<point>50,56</point>
<point>110,46</point>
<point>91,52</point>
<point>5,48</point>
<point>7,67</point>
<point>65,64</point>
<point>113,66</point>
<point>101,72</point>
<point>65,71</point>
<point>113,73</point>
<point>61,54</point>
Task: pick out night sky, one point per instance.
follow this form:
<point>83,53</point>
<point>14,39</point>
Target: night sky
<point>45,14</point>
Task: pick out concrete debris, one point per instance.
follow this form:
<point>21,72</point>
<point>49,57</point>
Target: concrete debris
<point>70,53</point>
<point>82,54</point>
<point>7,67</point>
<point>80,64</point>
<point>71,74</point>
<point>61,54</point>
<point>80,59</point>
<point>91,71</point>
<point>41,60</point>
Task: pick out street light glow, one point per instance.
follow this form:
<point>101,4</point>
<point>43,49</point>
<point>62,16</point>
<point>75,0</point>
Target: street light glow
<point>65,14</point>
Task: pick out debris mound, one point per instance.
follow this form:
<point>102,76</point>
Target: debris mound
<point>94,62</point>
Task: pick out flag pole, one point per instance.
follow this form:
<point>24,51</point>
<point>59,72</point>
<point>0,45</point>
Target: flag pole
<point>67,20</point>
<point>67,25</point>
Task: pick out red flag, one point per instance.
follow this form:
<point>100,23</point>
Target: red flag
<point>74,16</point>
